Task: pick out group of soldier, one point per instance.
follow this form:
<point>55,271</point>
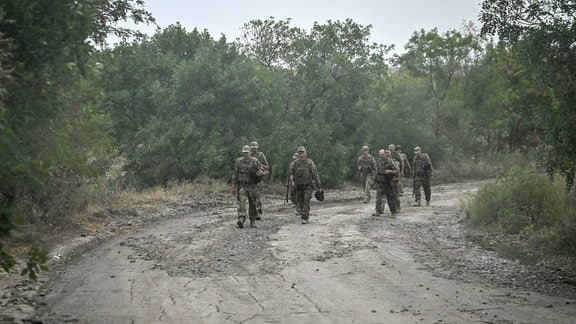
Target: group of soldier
<point>383,175</point>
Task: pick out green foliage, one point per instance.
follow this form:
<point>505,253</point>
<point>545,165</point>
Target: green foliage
<point>529,205</point>
<point>440,61</point>
<point>543,33</point>
<point>197,103</point>
<point>52,131</point>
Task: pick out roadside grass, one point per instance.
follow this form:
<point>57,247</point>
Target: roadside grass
<point>526,216</point>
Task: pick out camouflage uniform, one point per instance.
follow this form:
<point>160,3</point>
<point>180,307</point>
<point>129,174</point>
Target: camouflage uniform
<point>385,185</point>
<point>366,168</point>
<point>399,162</point>
<point>260,186</point>
<point>304,178</point>
<point>244,178</point>
<point>292,190</point>
<point>422,172</point>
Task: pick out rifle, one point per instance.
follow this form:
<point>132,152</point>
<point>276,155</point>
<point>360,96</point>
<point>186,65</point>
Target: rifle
<point>287,193</point>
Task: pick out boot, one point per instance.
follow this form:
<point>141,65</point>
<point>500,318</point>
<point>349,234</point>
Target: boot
<point>253,224</point>
<point>417,203</point>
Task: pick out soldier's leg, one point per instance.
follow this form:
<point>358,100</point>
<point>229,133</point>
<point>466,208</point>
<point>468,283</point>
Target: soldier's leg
<point>258,195</point>
<point>427,191</point>
<point>252,210</point>
<point>379,208</point>
<point>241,209</point>
<point>396,190</point>
<point>391,196</point>
<point>367,181</point>
<point>307,193</point>
<point>417,193</point>
<point>300,200</point>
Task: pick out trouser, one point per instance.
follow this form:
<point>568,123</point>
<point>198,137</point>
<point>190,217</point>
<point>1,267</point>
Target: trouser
<point>424,183</point>
<point>366,181</point>
<point>259,188</point>
<point>396,187</point>
<point>386,190</point>
<point>303,197</point>
<point>247,195</point>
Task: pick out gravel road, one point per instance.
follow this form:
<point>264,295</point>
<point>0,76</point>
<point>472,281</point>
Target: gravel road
<point>345,266</point>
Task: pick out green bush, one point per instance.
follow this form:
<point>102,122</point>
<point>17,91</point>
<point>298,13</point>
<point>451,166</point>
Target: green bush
<point>538,212</point>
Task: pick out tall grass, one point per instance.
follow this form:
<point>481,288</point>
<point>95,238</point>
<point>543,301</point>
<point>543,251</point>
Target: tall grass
<point>537,216</point>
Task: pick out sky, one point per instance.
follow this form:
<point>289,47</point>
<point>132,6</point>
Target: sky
<point>393,21</point>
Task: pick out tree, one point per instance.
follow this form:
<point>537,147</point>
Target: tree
<point>543,32</point>
<point>329,74</point>
<point>440,60</point>
<point>184,104</point>
<point>45,120</point>
<point>498,90</point>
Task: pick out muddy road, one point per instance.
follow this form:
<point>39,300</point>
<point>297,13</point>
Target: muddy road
<point>345,266</point>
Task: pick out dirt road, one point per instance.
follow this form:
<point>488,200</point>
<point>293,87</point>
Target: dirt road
<point>345,266</point>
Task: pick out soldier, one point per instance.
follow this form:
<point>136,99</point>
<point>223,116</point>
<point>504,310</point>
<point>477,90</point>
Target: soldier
<point>386,171</point>
<point>255,153</point>
<point>407,167</point>
<point>399,161</point>
<point>304,179</point>
<point>247,170</point>
<point>292,191</point>
<point>422,173</point>
<point>366,168</point>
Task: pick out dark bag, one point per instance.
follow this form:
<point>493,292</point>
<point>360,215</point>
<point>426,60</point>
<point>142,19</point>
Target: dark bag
<point>319,195</point>
<point>255,178</point>
<point>426,166</point>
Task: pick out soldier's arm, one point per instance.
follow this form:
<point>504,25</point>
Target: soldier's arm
<point>265,164</point>
<point>315,176</point>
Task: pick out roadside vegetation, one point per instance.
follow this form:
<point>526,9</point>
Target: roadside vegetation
<point>523,215</point>
<point>89,130</point>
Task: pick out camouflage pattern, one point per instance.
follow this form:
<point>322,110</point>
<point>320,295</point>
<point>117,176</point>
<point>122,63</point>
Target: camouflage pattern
<point>260,186</point>
<point>421,177</point>
<point>385,185</point>
<point>366,168</point>
<point>246,187</point>
<point>303,174</point>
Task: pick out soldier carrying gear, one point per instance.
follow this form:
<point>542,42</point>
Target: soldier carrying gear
<point>366,168</point>
<point>304,179</point>
<point>386,172</point>
<point>245,180</point>
<point>422,173</point>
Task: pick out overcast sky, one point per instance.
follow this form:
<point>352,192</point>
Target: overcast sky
<point>393,21</point>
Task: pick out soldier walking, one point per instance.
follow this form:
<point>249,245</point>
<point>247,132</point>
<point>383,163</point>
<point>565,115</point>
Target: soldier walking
<point>256,153</point>
<point>386,171</point>
<point>247,170</point>
<point>366,167</point>
<point>422,173</point>
<point>304,179</point>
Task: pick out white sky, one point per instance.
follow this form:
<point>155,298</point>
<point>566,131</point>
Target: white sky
<point>393,21</point>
